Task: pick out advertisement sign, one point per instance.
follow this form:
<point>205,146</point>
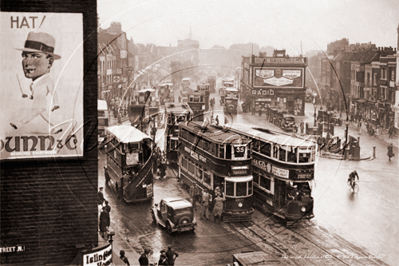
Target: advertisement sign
<point>99,256</point>
<point>41,95</point>
<point>282,77</point>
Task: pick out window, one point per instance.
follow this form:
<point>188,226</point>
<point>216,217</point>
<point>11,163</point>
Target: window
<point>392,75</point>
<point>304,157</point>
<point>229,188</point>
<point>264,182</point>
<point>256,145</point>
<point>191,167</point>
<point>228,151</point>
<point>292,155</point>
<point>241,189</point>
<point>282,154</point>
<point>375,79</point>
<point>184,162</point>
<point>275,152</point>
<point>265,148</point>
<point>250,187</point>
<point>207,178</point>
<point>239,151</point>
<point>199,172</point>
<point>368,79</point>
<point>256,177</point>
<point>221,151</point>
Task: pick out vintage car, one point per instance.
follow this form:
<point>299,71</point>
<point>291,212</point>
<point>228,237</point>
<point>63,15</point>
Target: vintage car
<point>288,123</point>
<point>175,214</point>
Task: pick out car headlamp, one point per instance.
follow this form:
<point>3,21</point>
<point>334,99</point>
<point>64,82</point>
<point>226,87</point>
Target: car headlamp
<point>240,204</point>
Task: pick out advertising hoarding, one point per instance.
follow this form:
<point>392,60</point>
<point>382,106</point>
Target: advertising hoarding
<point>278,77</point>
<point>41,95</point>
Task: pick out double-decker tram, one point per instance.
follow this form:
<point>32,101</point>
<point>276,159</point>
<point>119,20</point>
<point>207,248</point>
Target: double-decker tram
<point>129,163</point>
<point>174,113</point>
<point>283,168</point>
<point>214,157</point>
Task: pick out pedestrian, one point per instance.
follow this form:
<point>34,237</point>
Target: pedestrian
<point>179,98</point>
<point>171,256</point>
<point>153,132</point>
<point>162,170</point>
<point>163,260</point>
<point>204,213</point>
<point>104,223</point>
<point>107,207</point>
<point>260,111</point>
<point>359,127</point>
<point>192,194</point>
<point>143,260</point>
<point>100,196</point>
<point>218,208</point>
<point>217,120</point>
<point>390,132</point>
<point>123,258</point>
<point>390,152</point>
<point>301,126</point>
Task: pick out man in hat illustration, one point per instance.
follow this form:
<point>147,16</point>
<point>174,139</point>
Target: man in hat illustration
<point>37,59</point>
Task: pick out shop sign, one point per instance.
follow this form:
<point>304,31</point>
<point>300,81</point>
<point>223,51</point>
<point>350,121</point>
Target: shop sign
<point>99,257</point>
<point>12,249</point>
<point>304,175</point>
<point>284,60</point>
<point>239,172</point>
<point>282,77</point>
<point>44,118</point>
<point>117,79</point>
<point>260,92</point>
<point>280,172</point>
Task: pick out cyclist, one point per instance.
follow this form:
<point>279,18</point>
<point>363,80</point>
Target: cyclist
<point>352,178</point>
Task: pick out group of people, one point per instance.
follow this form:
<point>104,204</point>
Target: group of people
<point>205,200</point>
<point>166,258</point>
<point>159,165</point>
<point>212,102</point>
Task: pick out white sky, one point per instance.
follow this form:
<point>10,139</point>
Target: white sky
<point>282,24</point>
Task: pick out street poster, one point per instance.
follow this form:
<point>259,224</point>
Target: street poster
<point>41,95</point>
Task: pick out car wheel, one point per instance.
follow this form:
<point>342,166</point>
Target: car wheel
<point>184,219</point>
<point>169,228</point>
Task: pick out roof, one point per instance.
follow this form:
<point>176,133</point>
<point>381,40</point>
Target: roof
<point>178,203</point>
<point>127,134</point>
<point>178,108</point>
<point>102,105</point>
<point>214,133</point>
<point>275,137</point>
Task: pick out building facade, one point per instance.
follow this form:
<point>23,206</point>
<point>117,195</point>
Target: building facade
<point>277,82</point>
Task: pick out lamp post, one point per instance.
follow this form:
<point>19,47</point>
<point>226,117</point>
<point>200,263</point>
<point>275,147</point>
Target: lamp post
<point>314,112</point>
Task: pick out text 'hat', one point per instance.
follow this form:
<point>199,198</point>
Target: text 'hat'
<point>40,42</point>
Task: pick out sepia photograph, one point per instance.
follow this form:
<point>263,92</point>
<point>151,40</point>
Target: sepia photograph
<point>214,133</point>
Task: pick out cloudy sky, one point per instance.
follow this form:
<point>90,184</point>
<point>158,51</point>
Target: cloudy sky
<point>279,23</point>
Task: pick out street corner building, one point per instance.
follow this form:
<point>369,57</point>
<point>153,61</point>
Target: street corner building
<point>48,137</point>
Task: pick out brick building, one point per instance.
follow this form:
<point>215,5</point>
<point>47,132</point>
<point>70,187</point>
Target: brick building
<point>49,206</point>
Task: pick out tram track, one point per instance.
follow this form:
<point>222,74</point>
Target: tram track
<point>304,247</point>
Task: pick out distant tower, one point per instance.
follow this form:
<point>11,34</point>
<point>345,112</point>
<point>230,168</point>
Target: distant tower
<point>190,35</point>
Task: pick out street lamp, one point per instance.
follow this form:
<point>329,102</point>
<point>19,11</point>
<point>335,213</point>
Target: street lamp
<point>314,112</point>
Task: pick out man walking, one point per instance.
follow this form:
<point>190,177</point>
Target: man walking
<point>171,255</point>
<point>104,223</point>
<point>390,152</point>
<point>204,213</point>
<point>100,196</point>
<point>143,260</point>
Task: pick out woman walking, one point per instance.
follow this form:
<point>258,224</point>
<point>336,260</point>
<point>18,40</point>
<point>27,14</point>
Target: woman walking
<point>218,208</point>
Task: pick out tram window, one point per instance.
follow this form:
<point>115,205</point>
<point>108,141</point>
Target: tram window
<point>228,151</point>
<point>282,155</point>
<point>241,189</point>
<point>207,178</point>
<point>250,188</point>
<point>256,145</point>
<point>239,151</point>
<point>304,157</point>
<point>265,148</point>
<point>184,162</point>
<point>255,177</point>
<point>214,149</point>
<point>191,167</point>
<point>221,151</point>
<point>199,172</point>
<point>292,156</point>
<point>206,145</point>
<point>229,188</point>
<point>275,152</point>
<point>264,182</point>
<point>173,144</point>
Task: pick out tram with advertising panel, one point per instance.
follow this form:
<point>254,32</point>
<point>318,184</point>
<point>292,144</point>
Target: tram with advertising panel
<point>174,113</point>
<point>215,158</point>
<point>283,169</point>
<point>129,163</point>
<point>231,100</point>
<point>102,117</point>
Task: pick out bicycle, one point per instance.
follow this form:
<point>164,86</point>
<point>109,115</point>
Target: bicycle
<point>354,188</point>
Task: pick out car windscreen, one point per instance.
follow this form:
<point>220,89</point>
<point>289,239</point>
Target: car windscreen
<point>183,210</point>
<point>289,119</point>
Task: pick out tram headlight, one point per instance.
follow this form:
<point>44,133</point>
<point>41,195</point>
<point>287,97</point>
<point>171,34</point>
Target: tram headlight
<point>240,204</point>
<point>303,209</point>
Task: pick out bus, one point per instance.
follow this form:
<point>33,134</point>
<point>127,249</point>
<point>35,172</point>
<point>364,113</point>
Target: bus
<point>174,113</point>
<point>102,117</point>
<point>197,103</point>
<point>283,169</point>
<point>129,163</point>
<point>230,100</point>
<point>228,82</point>
<point>165,92</point>
<point>215,158</point>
